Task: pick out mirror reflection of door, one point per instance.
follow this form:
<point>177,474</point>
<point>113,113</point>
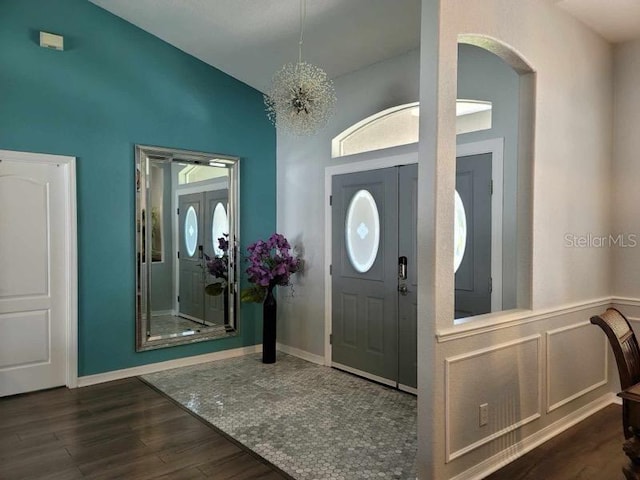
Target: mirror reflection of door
<point>473,283</point>
<point>202,221</point>
<point>191,256</point>
<point>374,300</point>
<point>180,304</point>
<point>216,227</point>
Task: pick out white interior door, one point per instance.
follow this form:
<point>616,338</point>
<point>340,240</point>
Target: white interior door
<point>34,277</point>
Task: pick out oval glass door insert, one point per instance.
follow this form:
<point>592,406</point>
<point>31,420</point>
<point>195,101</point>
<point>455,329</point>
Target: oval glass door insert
<point>219,227</point>
<point>362,231</point>
<point>191,231</point>
<point>459,232</point>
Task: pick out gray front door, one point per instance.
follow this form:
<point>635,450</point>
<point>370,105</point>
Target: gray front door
<point>364,271</point>
<point>408,286</point>
<point>190,256</point>
<point>473,278</point>
<point>374,232</point>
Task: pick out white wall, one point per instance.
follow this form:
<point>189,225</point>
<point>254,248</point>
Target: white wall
<point>300,187</point>
<point>626,168</point>
<point>528,367</point>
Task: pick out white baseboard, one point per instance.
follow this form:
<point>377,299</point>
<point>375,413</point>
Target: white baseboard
<point>158,367</point>
<point>490,465</point>
<point>296,352</point>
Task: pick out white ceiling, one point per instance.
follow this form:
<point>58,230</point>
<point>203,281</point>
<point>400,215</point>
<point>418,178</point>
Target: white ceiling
<point>251,39</point>
<point>615,20</point>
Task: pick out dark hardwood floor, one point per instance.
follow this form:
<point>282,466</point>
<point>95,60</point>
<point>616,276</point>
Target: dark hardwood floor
<point>590,450</point>
<point>127,430</point>
<point>117,430</point>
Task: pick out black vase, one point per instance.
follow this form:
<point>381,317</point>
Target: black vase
<point>269,312</point>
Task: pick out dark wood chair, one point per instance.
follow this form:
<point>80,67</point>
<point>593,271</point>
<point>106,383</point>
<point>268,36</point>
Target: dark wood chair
<point>626,351</point>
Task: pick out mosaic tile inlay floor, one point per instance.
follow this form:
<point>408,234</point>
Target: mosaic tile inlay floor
<point>313,422</point>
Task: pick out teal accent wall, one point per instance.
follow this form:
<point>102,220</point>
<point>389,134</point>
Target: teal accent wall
<point>113,87</point>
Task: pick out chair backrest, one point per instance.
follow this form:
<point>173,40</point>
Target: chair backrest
<point>624,344</point>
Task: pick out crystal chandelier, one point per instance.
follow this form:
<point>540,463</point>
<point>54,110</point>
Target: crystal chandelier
<point>301,98</point>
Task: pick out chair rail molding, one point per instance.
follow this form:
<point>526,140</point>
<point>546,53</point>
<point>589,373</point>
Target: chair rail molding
<point>512,318</point>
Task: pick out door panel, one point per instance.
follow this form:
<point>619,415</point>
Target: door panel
<point>374,314</point>
<point>348,305</point>
<point>473,278</point>
<point>214,304</point>
<point>191,252</point>
<point>33,286</point>
<point>408,301</point>
<point>364,310</point>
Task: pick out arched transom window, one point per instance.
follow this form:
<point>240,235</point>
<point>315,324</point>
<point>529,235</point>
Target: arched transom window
<point>399,126</point>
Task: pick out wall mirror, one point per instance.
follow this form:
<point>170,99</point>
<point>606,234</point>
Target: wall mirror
<point>186,244</point>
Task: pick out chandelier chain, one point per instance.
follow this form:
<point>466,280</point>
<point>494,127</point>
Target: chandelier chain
<point>303,16</point>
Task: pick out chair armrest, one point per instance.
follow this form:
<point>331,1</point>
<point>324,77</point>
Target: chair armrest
<point>632,393</point>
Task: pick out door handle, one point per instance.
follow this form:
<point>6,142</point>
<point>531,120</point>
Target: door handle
<point>403,289</point>
<point>402,268</point>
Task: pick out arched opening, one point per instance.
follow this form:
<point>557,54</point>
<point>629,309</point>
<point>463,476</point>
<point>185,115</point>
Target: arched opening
<point>499,161</point>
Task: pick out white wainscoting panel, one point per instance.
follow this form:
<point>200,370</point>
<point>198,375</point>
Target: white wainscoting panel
<point>576,363</point>
<point>512,392</point>
<point>488,466</point>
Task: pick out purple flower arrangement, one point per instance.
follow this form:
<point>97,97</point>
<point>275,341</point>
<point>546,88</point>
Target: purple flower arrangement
<point>271,263</point>
<point>218,267</point>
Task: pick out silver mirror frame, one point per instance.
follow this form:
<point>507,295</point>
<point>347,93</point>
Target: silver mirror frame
<point>143,155</point>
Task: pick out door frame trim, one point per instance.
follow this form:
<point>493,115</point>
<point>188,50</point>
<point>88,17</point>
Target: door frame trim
<point>495,147</point>
<point>360,162</point>
<point>71,250</point>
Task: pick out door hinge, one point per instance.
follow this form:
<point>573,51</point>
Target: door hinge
<point>330,200</point>
<point>491,187</point>
<point>177,211</point>
<point>178,298</point>
<point>490,285</point>
<point>331,339</point>
<point>330,269</point>
<point>178,254</point>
